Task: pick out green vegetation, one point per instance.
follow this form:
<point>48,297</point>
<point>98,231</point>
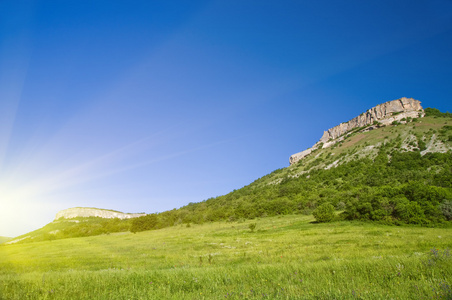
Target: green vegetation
<point>379,175</point>
<point>433,112</point>
<point>286,257</point>
<point>324,212</point>
<point>77,227</point>
<point>400,190</point>
<point>4,239</point>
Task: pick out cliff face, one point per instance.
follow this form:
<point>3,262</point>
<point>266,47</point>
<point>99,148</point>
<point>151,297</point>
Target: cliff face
<point>385,114</point>
<point>86,212</point>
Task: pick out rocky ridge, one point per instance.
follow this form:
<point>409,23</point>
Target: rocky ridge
<point>380,115</point>
<point>85,212</point>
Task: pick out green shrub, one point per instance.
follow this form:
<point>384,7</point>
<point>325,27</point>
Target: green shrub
<point>324,213</point>
<point>446,209</point>
<point>411,212</point>
<point>422,145</point>
<point>434,112</point>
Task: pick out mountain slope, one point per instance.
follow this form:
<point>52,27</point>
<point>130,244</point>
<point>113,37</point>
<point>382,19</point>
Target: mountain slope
<point>62,228</point>
<point>409,162</point>
<point>4,239</point>
<point>86,212</point>
<point>400,173</point>
<point>391,112</point>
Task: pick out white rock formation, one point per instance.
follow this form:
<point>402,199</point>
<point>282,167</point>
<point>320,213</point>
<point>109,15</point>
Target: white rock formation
<point>435,145</point>
<point>384,113</point>
<point>86,212</point>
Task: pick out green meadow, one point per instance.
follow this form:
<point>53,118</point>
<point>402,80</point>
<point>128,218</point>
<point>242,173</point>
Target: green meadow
<point>287,257</point>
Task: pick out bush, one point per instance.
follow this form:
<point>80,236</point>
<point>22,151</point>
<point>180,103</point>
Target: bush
<point>324,213</point>
<point>446,209</point>
<point>434,112</point>
<point>411,212</point>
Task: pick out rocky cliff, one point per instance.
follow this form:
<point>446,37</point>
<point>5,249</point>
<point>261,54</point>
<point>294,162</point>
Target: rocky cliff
<point>85,212</point>
<point>382,114</point>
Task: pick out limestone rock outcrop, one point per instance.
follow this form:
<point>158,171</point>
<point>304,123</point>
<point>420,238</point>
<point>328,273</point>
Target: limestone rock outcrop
<point>384,114</point>
<point>381,113</point>
<point>85,212</point>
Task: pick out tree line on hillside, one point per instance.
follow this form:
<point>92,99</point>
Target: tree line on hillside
<point>408,189</point>
<point>79,227</point>
<point>395,187</point>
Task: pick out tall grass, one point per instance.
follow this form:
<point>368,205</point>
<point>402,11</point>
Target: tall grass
<point>284,258</point>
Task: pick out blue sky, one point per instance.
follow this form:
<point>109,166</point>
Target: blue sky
<point>145,106</point>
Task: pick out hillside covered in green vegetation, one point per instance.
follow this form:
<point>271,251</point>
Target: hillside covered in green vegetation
<point>394,174</point>
<point>397,174</point>
<point>4,239</point>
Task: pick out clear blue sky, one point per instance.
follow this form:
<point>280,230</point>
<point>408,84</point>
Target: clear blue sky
<point>149,105</point>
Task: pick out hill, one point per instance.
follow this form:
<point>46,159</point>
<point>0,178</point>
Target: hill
<point>397,173</point>
<point>387,167</point>
<point>86,212</point>
<point>4,239</point>
<point>74,227</point>
<point>79,222</point>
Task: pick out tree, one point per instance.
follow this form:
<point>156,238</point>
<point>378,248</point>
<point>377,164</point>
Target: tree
<point>324,213</point>
<point>143,223</point>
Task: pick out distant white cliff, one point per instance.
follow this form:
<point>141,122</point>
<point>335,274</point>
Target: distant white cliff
<point>85,212</point>
<point>382,114</point>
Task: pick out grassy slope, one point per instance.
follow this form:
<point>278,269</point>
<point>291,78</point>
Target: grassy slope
<point>357,145</point>
<point>76,227</point>
<point>354,147</point>
<point>285,258</point>
<point>4,239</point>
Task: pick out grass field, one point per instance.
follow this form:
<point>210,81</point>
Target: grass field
<point>284,258</point>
